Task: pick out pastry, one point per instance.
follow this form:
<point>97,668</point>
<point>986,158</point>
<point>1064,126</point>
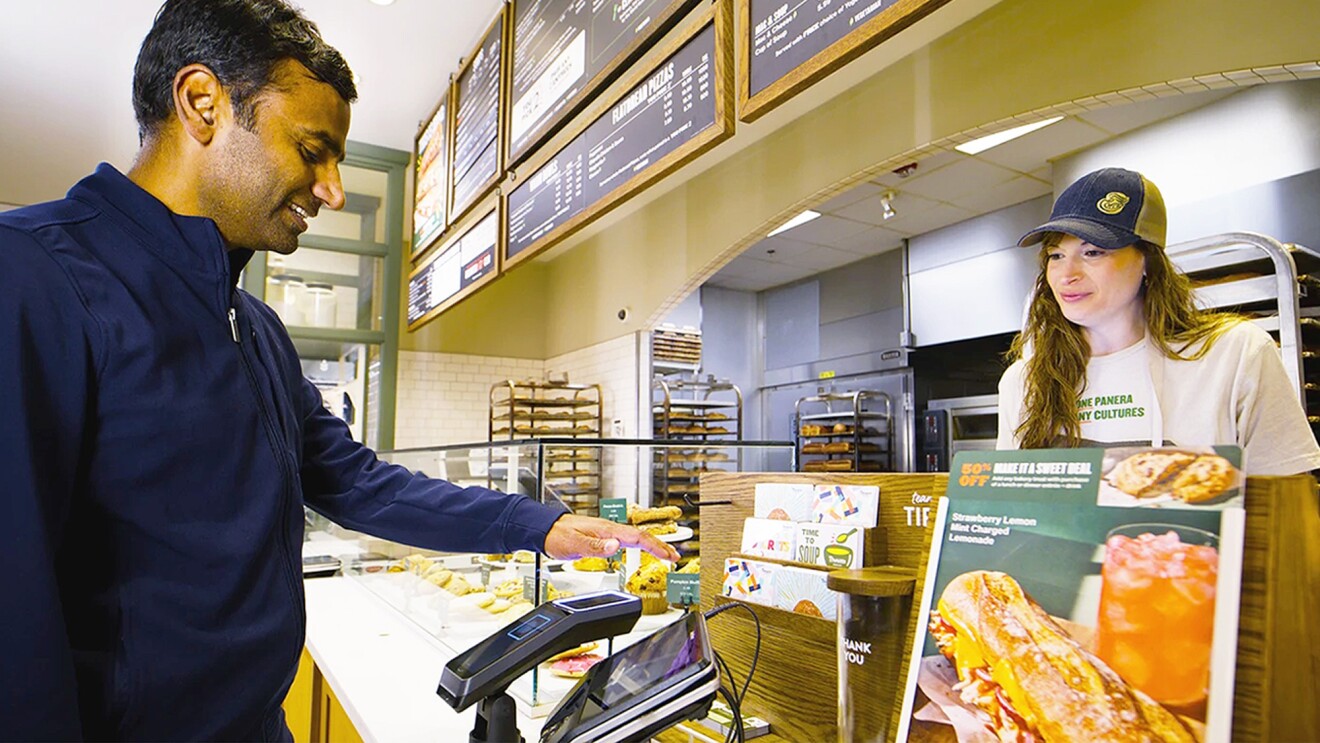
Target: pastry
<point>591,564</point>
<point>811,429</point>
<point>646,515</point>
<point>1142,473</point>
<point>1204,479</point>
<point>659,527</point>
<point>842,428</point>
<point>508,589</point>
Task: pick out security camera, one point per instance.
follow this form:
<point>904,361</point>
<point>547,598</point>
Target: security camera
<point>623,314</point>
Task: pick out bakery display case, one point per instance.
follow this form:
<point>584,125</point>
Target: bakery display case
<point>458,599</point>
<point>524,409</point>
<point>697,416</point>
<point>845,432</point>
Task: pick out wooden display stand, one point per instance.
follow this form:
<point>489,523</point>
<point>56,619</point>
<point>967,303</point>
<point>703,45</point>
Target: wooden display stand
<point>796,682</point>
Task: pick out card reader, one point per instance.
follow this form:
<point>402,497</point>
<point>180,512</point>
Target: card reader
<point>484,671</point>
<point>669,677</point>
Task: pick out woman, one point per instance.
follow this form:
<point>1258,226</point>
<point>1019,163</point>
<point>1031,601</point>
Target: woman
<point>1115,352</point>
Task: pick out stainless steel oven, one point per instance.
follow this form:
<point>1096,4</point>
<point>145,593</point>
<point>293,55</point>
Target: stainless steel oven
<point>957,424</point>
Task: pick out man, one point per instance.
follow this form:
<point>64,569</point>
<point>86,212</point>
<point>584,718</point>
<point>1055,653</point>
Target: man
<point>159,441</point>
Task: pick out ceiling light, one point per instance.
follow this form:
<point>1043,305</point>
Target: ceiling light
<point>383,2</point>
<point>802,218</point>
<point>887,205</point>
<point>982,144</point>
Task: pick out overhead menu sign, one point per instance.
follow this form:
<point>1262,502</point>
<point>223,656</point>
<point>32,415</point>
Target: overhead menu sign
<point>431,160</point>
<point>675,112</point>
<point>790,44</point>
<point>461,265</point>
<point>566,50</point>
<point>477,121</point>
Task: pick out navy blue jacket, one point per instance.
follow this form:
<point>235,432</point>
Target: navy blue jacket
<point>157,444</point>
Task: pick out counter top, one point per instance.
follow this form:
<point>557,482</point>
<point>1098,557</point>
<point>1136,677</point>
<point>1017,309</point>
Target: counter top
<point>383,668</point>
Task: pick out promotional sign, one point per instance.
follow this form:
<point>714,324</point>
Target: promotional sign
<point>1081,594</point>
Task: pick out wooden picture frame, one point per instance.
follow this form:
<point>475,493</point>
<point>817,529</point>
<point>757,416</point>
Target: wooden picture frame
<point>884,25</point>
<point>458,208</point>
<point>720,16</point>
<point>491,207</point>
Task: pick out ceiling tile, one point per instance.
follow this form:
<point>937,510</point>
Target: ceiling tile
<point>925,166</point>
<point>851,196</point>
<point>962,178</point>
<point>872,242</point>
<point>824,230</point>
<point>1015,191</point>
<point>930,219</point>
<point>774,249</point>
<point>819,258</point>
<point>1028,152</point>
<point>870,211</point>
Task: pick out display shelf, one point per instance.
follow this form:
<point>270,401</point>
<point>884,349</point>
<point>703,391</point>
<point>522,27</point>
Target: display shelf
<point>707,413</point>
<point>1277,283</point>
<point>534,408</point>
<point>854,432</point>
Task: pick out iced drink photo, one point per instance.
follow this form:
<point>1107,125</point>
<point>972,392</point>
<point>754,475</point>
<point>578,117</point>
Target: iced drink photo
<point>1157,610</point>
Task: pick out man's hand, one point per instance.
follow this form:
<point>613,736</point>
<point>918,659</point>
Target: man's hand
<point>574,536</point>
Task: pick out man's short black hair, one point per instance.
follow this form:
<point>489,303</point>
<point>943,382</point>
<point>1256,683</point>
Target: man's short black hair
<point>240,41</point>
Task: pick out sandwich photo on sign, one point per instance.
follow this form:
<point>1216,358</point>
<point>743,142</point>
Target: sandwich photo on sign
<point>1047,615</point>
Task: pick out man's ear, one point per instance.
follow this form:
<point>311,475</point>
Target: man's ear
<point>200,103</point>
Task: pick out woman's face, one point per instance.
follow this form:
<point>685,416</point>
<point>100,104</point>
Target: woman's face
<point>1097,289</point>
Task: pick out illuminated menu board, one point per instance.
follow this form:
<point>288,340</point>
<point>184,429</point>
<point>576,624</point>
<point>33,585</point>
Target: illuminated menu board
<point>564,51</point>
<point>681,108</point>
<point>431,160</point>
<point>477,121</point>
<point>787,45</point>
<point>467,261</point>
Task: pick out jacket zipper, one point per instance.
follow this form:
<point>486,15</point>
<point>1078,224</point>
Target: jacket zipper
<point>277,450</point>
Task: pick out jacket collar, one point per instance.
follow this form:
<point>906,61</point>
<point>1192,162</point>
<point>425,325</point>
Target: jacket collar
<point>189,242</point>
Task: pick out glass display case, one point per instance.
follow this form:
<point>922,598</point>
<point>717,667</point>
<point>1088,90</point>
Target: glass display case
<point>459,599</point>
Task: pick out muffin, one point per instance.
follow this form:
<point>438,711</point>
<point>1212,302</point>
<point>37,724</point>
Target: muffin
<point>648,584</point>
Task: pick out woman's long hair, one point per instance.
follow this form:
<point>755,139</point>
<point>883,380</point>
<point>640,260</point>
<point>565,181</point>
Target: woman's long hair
<point>1057,353</point>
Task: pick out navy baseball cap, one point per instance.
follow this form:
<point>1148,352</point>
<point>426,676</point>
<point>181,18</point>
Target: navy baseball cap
<point>1110,208</point>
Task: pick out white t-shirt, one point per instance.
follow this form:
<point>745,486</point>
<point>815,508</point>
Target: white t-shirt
<point>1238,393</point>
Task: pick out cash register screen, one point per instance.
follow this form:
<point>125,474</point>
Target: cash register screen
<point>674,652</point>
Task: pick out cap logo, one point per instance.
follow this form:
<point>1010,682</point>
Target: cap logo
<point>1112,203</point>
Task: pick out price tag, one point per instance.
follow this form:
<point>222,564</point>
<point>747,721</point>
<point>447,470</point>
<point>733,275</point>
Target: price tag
<point>529,588</point>
<point>485,574</point>
<point>614,509</point>
<point>683,588</point>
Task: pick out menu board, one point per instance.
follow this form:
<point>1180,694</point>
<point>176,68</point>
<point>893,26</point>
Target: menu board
<point>672,113</point>
<point>1120,567</point>
<point>788,45</point>
<point>454,270</point>
<point>477,120</point>
<point>432,165</point>
<point>566,50</point>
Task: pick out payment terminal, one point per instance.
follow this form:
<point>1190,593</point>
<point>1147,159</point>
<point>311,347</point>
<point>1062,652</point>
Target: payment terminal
<point>667,678</point>
<point>483,672</point>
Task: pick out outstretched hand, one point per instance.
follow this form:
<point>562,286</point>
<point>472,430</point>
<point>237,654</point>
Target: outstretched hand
<point>574,536</point>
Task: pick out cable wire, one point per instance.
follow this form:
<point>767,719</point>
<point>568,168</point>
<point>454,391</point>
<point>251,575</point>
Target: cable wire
<point>736,729</point>
<point>756,653</point>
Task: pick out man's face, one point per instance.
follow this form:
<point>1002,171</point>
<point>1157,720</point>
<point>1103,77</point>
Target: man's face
<point>263,185</point>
